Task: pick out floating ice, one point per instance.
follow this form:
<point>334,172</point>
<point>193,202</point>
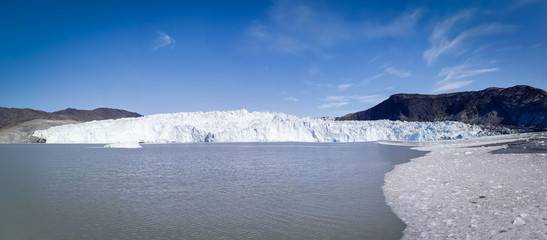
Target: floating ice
<point>519,221</point>
<point>124,145</point>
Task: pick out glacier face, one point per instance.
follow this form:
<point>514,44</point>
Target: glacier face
<point>244,126</point>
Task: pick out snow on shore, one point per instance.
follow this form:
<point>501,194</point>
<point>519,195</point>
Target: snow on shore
<point>461,191</point>
<point>244,126</point>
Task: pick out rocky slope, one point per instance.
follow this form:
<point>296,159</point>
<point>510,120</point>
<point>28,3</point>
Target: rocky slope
<point>17,125</point>
<point>519,106</point>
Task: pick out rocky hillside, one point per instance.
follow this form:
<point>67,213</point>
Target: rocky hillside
<point>16,125</point>
<point>519,106</point>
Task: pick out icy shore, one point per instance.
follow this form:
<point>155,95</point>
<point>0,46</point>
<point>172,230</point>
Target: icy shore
<point>460,190</point>
<point>244,126</point>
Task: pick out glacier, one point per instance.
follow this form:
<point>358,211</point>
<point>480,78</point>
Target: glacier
<point>245,126</point>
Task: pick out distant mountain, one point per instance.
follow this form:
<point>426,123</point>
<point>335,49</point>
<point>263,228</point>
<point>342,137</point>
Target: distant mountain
<point>96,114</point>
<point>14,116</point>
<point>519,106</point>
<point>17,125</point>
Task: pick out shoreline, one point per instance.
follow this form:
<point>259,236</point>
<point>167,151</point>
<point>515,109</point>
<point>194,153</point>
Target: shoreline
<point>461,190</point>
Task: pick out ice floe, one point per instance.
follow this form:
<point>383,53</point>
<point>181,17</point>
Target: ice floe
<point>123,145</point>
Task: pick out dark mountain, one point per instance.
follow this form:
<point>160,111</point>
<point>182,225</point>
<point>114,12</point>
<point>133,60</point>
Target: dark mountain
<point>519,106</point>
<point>13,116</point>
<point>96,114</point>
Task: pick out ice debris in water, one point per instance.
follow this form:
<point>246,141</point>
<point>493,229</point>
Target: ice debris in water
<point>124,145</point>
<point>519,221</point>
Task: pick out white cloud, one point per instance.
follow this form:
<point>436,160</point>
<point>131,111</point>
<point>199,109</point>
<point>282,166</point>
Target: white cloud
<point>401,26</point>
<point>376,98</point>
<point>314,70</point>
<point>368,80</point>
<point>452,85</point>
<point>294,27</point>
<point>333,104</point>
<point>335,98</point>
<point>458,76</point>
<point>441,44</point>
<point>522,3</point>
<point>375,58</point>
<point>462,71</point>
<point>290,99</point>
<point>163,40</point>
<point>388,70</point>
<point>398,72</point>
<point>338,101</point>
<point>344,86</point>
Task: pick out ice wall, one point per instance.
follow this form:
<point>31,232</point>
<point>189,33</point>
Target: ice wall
<point>244,126</point>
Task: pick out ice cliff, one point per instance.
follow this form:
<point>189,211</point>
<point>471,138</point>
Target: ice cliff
<point>244,126</point>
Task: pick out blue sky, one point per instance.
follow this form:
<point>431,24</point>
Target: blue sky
<point>307,58</point>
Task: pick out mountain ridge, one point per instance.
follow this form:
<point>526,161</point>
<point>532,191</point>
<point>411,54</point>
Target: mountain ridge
<point>520,106</point>
<point>18,124</point>
<point>14,116</point>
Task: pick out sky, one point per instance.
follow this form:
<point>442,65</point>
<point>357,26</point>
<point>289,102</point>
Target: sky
<point>305,58</point>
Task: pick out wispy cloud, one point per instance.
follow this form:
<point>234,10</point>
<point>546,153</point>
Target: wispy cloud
<point>290,99</point>
<point>335,98</point>
<point>401,73</point>
<point>163,40</point>
<point>295,27</point>
<point>458,76</point>
<point>401,26</point>
<point>338,101</point>
<point>374,59</point>
<point>369,79</point>
<point>398,72</point>
<point>441,44</point>
<point>376,98</point>
<point>463,71</point>
<point>333,104</point>
<point>452,85</point>
<point>522,3</point>
<point>314,70</point>
<point>344,86</point>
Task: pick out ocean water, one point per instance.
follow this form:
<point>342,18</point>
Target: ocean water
<point>198,191</point>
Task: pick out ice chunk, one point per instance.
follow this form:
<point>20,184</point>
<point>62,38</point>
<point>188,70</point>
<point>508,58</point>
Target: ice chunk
<point>519,221</point>
<point>124,145</point>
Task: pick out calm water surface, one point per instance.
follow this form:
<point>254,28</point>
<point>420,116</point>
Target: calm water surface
<point>198,191</point>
